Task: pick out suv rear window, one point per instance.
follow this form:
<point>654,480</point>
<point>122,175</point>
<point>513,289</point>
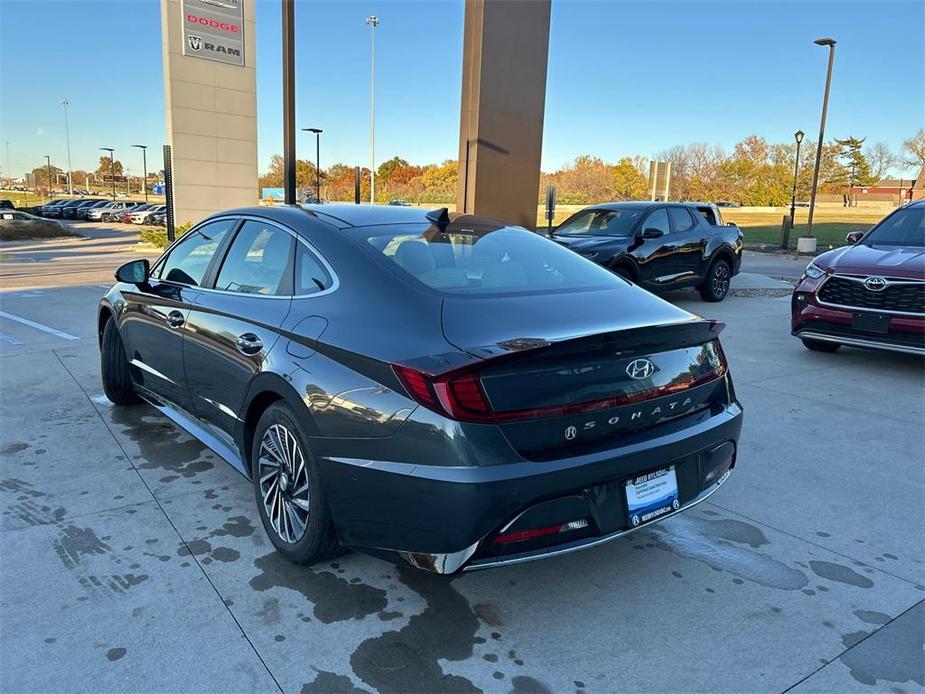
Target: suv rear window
<point>479,259</point>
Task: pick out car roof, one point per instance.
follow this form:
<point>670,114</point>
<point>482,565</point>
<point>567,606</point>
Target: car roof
<point>339,215</point>
<point>916,203</point>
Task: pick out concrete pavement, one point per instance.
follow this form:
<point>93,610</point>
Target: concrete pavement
<point>132,558</point>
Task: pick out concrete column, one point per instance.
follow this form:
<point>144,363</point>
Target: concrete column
<point>210,101</point>
<point>505,51</point>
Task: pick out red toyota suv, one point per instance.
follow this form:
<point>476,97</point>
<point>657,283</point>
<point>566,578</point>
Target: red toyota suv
<point>870,293</point>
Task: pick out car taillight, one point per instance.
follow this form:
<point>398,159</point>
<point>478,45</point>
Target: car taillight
<point>458,395</point>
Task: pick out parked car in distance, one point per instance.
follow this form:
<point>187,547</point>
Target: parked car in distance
<point>126,216</point>
<point>144,216</point>
<point>7,205</point>
<point>400,203</point>
<point>106,212</point>
<point>727,203</point>
<point>159,219</point>
<point>84,210</point>
<point>74,211</point>
<point>657,245</point>
<point>43,209</point>
<point>870,293</point>
<point>16,225</point>
<point>446,391</point>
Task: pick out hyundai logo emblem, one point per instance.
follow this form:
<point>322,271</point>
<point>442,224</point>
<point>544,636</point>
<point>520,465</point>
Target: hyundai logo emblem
<point>570,433</point>
<point>640,368</point>
<point>875,284</point>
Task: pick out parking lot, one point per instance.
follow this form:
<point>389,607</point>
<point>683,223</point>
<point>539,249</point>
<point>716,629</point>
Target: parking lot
<point>133,557</point>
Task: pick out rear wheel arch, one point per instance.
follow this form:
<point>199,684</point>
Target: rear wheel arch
<point>726,254</point>
<point>105,315</point>
<point>265,390</point>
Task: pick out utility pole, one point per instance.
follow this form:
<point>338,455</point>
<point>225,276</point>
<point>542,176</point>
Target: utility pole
<point>48,174</point>
<point>825,107</point>
<point>67,139</point>
<point>373,22</point>
<point>144,165</point>
<point>289,163</point>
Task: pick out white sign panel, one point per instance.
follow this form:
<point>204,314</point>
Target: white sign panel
<point>214,30</point>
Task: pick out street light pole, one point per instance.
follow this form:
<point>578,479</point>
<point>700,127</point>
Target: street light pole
<point>825,107</point>
<point>373,22</point>
<point>112,168</point>
<point>289,160</point>
<point>144,165</point>
<point>67,139</point>
<point>798,136</point>
<point>317,132</point>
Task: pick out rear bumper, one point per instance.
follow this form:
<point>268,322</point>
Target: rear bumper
<point>444,518</point>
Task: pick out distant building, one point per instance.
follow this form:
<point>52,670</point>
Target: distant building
<point>892,189</point>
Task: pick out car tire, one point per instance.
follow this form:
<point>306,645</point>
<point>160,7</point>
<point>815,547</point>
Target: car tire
<point>820,345</point>
<point>287,488</point>
<point>715,285</point>
<point>114,368</point>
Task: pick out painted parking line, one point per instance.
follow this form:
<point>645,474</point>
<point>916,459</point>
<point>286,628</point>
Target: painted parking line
<point>39,326</point>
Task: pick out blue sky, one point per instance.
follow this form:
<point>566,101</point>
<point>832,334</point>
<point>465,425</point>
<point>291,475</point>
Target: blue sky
<point>625,78</point>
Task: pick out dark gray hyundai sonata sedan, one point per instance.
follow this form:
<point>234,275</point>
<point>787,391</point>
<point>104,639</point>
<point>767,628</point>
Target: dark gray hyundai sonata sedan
<point>447,391</point>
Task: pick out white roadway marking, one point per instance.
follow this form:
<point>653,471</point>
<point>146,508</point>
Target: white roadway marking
<point>39,326</point>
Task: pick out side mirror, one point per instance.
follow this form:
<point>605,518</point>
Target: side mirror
<point>134,272</point>
<point>652,233</point>
<point>853,237</point>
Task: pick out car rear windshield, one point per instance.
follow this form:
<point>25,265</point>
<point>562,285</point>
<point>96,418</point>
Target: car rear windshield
<point>902,228</point>
<point>482,260</point>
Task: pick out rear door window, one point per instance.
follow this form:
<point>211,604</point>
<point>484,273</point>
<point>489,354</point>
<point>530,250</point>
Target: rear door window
<point>681,219</point>
<point>658,220</point>
<point>258,262</point>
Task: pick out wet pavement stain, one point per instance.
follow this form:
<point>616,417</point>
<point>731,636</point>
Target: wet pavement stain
<point>528,685</point>
<point>269,613</point>
<point>236,526</point>
<point>162,445</point>
<point>407,660</point>
<point>16,486</point>
<point>694,538</point>
<point>872,617</point>
<point>114,654</point>
<point>839,573</point>
<point>225,554</point>
<point>13,448</point>
<point>75,543</point>
<point>334,599</point>
<point>331,683</point>
<point>489,614</point>
<point>892,654</point>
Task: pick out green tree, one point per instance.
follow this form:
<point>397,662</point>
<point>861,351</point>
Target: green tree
<point>386,168</point>
<point>629,181</point>
<point>857,168</point>
<point>104,168</point>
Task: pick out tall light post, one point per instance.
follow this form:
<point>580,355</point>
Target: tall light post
<point>373,22</point>
<point>317,132</point>
<point>144,165</point>
<point>112,168</point>
<point>798,136</point>
<point>67,139</point>
<point>825,107</point>
<point>48,174</point>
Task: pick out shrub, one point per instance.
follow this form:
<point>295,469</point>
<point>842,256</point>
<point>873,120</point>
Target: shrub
<point>157,236</point>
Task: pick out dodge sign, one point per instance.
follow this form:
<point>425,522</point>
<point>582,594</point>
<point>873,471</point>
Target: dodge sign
<point>214,30</point>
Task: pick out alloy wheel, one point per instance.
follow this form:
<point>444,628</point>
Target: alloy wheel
<point>720,279</point>
<point>284,483</point>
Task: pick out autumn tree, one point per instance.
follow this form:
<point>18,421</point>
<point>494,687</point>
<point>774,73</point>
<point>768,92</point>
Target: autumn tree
<point>629,181</point>
<point>881,160</point>
<point>107,167</point>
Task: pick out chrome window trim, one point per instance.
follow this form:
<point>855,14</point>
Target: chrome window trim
<point>335,280</point>
<point>861,280</point>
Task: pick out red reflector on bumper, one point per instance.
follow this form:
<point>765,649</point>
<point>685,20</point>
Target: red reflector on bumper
<point>534,533</point>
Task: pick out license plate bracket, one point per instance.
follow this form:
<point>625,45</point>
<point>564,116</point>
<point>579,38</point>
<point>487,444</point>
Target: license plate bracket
<point>651,495</point>
<point>870,323</point>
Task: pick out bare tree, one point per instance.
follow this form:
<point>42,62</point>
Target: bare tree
<point>881,160</point>
<point>914,149</point>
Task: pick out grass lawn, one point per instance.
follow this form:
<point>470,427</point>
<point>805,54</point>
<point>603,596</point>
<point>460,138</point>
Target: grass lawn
<point>830,225</point>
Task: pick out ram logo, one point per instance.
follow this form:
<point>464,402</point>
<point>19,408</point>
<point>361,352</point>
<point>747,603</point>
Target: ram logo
<point>195,42</point>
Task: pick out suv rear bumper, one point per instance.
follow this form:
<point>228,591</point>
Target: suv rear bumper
<point>444,518</point>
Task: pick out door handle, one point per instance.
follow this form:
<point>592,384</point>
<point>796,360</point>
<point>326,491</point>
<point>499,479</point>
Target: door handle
<point>175,319</point>
<point>248,344</point>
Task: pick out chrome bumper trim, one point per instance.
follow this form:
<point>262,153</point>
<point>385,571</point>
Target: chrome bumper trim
<point>861,342</point>
<point>594,542</point>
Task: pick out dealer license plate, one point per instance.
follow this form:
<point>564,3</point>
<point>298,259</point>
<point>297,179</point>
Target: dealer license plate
<point>651,496</point>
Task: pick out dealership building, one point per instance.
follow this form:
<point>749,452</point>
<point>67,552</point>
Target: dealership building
<point>210,93</point>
